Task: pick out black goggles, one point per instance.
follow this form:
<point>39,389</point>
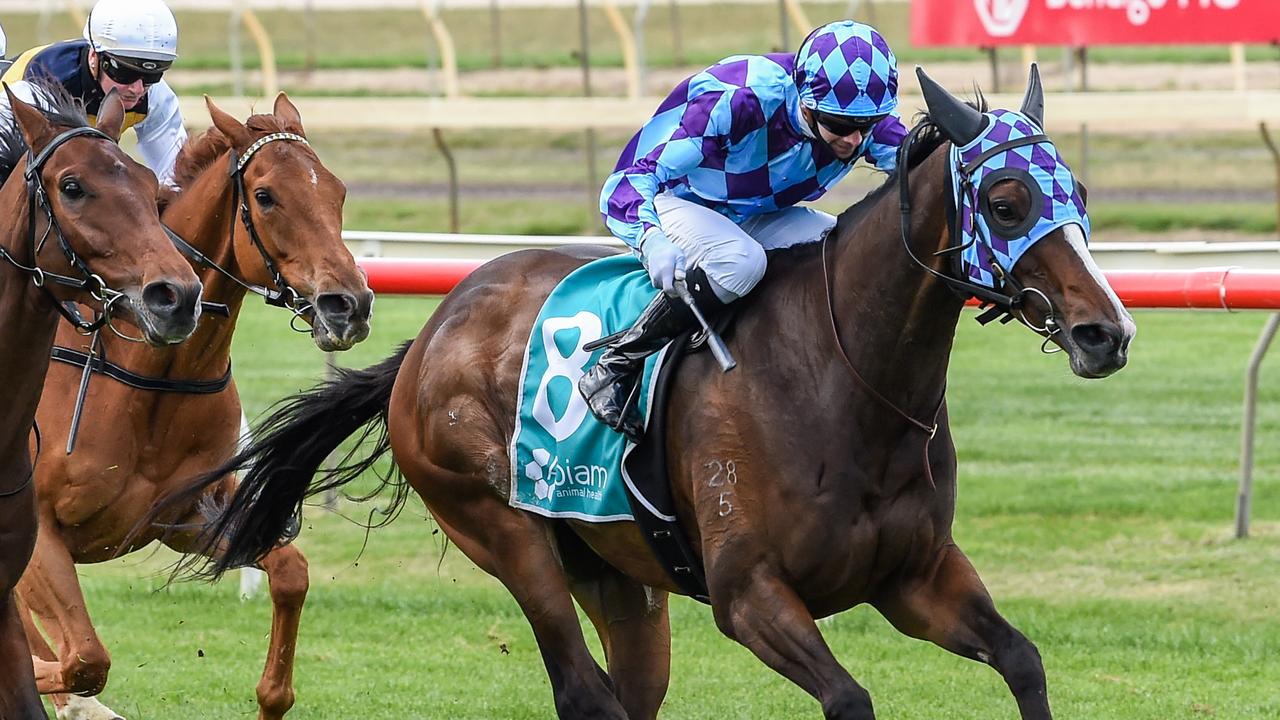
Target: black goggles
<point>843,125</point>
<point>129,71</point>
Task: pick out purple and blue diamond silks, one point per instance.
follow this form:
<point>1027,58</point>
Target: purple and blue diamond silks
<point>1060,204</point>
<point>847,68</point>
<point>731,138</point>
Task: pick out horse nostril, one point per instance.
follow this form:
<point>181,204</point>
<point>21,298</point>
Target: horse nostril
<point>162,298</point>
<point>1096,338</point>
<point>336,305</point>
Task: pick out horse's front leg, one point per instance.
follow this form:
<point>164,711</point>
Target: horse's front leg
<point>762,612</point>
<point>950,607</point>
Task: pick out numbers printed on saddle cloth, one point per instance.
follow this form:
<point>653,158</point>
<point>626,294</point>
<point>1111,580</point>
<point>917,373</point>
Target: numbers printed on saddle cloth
<point>570,367</point>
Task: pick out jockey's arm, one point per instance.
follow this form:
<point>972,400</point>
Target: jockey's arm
<point>626,201</point>
<point>886,137</point>
<point>161,134</point>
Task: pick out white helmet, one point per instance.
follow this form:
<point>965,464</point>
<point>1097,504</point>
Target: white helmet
<point>142,29</point>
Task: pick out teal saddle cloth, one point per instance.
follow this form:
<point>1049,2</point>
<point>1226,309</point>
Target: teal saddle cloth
<point>564,462</point>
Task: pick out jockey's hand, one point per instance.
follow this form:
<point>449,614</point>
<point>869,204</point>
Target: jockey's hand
<point>663,259</point>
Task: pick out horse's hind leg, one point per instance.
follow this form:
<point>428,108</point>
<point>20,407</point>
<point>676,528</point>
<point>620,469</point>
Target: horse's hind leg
<point>286,570</point>
<point>516,548</point>
<point>762,612</point>
<point>634,629</point>
<point>951,608</point>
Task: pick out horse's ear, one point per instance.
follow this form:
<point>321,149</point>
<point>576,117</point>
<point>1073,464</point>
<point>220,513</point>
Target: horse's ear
<point>235,130</point>
<point>1033,101</point>
<point>36,129</point>
<point>111,115</point>
<point>959,122</point>
<point>286,112</point>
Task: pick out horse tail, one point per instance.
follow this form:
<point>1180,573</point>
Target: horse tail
<point>278,469</point>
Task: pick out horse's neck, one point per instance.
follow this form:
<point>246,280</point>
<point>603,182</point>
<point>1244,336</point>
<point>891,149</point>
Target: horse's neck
<point>202,215</point>
<point>28,322</point>
<point>897,321</point>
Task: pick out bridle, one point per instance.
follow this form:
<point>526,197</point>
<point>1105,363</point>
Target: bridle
<point>88,281</point>
<point>282,294</point>
<point>997,303</point>
<point>1006,303</point>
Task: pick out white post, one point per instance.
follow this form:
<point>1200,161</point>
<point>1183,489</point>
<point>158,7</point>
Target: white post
<point>1244,498</point>
<point>233,42</point>
<point>250,577</point>
<point>1239,68</point>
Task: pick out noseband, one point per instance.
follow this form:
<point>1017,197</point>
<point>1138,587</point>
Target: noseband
<point>89,281</point>
<point>282,294</point>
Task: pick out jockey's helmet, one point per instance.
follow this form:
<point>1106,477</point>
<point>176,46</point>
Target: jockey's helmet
<point>141,32</point>
<point>846,68</point>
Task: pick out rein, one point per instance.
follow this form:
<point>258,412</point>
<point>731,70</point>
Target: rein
<point>32,473</point>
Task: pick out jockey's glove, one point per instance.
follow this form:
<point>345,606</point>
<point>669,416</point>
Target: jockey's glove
<point>663,259</point>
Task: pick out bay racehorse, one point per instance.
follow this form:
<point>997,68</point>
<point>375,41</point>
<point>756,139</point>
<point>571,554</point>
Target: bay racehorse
<point>82,227</point>
<point>818,475</point>
<point>272,227</point>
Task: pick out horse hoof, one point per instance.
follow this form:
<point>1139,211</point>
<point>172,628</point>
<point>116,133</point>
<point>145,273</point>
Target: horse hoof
<point>86,708</point>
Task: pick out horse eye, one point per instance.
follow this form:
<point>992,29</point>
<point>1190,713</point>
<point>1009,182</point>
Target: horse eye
<point>1004,212</point>
<point>71,189</point>
<point>264,199</point>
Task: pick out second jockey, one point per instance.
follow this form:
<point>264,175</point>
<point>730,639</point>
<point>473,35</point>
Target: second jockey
<point>127,46</point>
<point>712,180</point>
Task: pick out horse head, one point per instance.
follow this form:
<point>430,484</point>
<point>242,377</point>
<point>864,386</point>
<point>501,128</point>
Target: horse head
<point>291,208</point>
<point>1021,230</point>
<point>94,202</point>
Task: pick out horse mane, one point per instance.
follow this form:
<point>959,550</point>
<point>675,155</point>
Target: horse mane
<point>201,151</point>
<point>57,105</point>
<point>928,139</point>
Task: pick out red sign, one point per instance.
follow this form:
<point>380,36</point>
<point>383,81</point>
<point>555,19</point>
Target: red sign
<point>1092,22</point>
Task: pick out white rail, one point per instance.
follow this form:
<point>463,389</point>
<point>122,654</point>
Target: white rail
<point>1257,255</point>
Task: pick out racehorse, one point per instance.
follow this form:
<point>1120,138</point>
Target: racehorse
<point>818,475</point>
<point>177,412</point>
<point>84,228</point>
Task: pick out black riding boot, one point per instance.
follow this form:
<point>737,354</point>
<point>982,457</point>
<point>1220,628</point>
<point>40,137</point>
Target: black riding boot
<point>609,386</point>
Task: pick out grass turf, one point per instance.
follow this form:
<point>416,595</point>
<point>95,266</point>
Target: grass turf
<point>1098,513</point>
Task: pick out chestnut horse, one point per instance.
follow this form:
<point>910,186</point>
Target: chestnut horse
<point>819,475</point>
<point>136,444</point>
<point>83,227</point>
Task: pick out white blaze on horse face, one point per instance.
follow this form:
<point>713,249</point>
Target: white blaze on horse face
<point>1075,239</point>
<point>315,181</point>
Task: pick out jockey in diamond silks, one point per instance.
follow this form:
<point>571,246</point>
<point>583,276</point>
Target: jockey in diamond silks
<point>127,46</point>
<point>712,179</point>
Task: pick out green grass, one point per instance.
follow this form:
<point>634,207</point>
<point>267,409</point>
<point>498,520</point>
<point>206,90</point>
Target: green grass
<point>1098,513</point>
<point>548,37</point>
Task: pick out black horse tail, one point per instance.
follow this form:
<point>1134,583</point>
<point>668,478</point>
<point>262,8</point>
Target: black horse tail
<point>278,469</point>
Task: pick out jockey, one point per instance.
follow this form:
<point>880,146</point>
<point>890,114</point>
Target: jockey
<point>711,180</point>
<point>127,46</point>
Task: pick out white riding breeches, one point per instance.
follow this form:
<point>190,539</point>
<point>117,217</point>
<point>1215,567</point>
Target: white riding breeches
<point>733,255</point>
